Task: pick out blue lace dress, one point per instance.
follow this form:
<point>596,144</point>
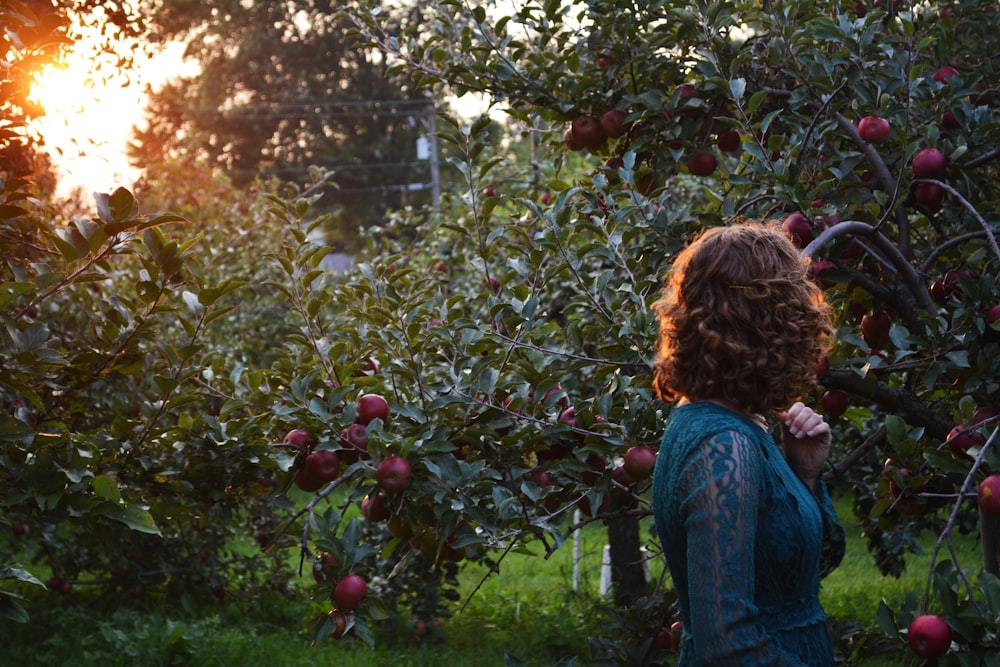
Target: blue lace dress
<point>745,540</point>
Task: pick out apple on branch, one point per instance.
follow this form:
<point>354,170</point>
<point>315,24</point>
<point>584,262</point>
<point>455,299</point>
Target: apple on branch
<point>639,462</point>
<point>835,403</point>
<point>988,495</point>
<point>299,439</point>
<point>371,407</point>
<point>798,228</point>
<point>929,636</point>
<point>873,129</point>
<point>875,329</point>
<point>349,592</point>
<point>929,163</point>
<point>394,474</point>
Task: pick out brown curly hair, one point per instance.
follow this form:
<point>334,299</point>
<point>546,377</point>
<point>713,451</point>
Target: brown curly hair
<point>740,320</point>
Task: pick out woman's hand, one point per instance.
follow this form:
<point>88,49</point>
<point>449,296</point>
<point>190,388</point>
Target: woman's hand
<point>807,442</point>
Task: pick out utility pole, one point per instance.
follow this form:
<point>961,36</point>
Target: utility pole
<point>430,124</point>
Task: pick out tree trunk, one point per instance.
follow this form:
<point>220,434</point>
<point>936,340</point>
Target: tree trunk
<point>628,571</point>
<point>989,528</point>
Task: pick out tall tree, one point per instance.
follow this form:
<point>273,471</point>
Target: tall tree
<point>283,87</point>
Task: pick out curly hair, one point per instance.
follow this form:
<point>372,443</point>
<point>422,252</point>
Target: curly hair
<point>740,320</point>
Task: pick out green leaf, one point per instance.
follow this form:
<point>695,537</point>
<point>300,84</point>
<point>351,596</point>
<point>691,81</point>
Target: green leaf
<point>959,357</point>
<point>11,610</point>
<point>886,619</point>
<point>105,487</point>
<point>737,88</point>
<point>137,519</point>
<point>13,429</point>
<point>10,572</point>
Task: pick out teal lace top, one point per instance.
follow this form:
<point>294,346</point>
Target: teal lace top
<point>745,540</point>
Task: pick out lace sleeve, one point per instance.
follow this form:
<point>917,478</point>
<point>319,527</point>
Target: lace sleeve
<point>721,493</point>
<point>834,540</point>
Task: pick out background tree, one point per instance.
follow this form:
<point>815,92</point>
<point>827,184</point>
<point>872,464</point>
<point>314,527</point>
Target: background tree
<point>286,86</point>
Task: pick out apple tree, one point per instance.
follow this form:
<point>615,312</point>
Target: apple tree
<point>867,130</point>
<point>121,476</point>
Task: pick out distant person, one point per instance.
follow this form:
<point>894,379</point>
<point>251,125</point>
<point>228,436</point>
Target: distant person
<point>747,528</point>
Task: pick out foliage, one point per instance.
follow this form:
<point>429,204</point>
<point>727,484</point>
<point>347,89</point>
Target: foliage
<point>510,329</point>
<point>118,474</point>
<point>793,79</point>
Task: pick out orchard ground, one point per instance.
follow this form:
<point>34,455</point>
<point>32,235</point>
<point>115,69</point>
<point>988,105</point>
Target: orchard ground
<point>529,612</point>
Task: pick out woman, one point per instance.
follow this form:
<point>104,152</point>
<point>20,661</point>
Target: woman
<point>748,530</point>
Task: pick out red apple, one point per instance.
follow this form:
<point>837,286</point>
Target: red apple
<point>729,141</point>
<point>944,73</point>
<point>604,60</point>
<point>817,268</point>
<point>873,129</point>
<point>562,402</point>
<point>543,479</point>
<point>354,440</point>
<point>685,92</point>
<point>993,314</point>
<point>375,508</point>
<point>339,625</point>
<point>929,636</point>
<point>984,414</point>
<point>702,164</point>
<point>371,407</point>
<point>441,266</point>
<point>929,163</point>
<point>394,474</point>
<point>875,329</point>
<point>953,280</point>
<point>639,462</point>
<point>572,143</point>
<point>370,368</point>
<point>676,630</point>
<point>612,123</point>
<point>928,195</point>
<point>949,285</point>
<point>950,121</point>
<point>305,480</point>
<point>299,439</point>
<point>568,416</point>
<point>587,130</point>
<point>323,466</point>
<point>324,566</point>
<point>961,439</point>
<point>489,192</point>
<point>349,592</point>
<point>834,402</point>
<point>798,228</point>
<point>621,476</point>
<point>662,640</point>
<point>989,495</point>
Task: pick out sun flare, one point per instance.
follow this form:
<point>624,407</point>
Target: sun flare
<point>60,91</point>
<point>89,117</point>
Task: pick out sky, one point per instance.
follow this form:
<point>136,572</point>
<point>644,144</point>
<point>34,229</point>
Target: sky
<point>89,121</point>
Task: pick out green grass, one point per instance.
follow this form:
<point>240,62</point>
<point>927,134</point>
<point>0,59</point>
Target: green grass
<point>529,610</point>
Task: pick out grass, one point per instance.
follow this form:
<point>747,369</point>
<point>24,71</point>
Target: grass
<point>529,610</point>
